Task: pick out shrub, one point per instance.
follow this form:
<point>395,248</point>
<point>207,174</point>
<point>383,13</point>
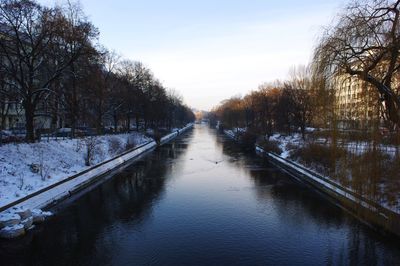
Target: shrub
<point>115,146</point>
<point>248,139</point>
<point>270,146</point>
<point>157,134</point>
<point>321,156</point>
<point>130,144</point>
<point>91,144</point>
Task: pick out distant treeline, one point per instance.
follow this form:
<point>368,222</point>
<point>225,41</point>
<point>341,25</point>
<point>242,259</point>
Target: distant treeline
<point>358,54</point>
<point>278,107</point>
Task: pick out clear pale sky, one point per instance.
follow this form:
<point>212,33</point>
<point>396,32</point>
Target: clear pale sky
<point>210,50</point>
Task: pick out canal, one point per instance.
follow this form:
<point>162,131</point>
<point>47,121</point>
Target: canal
<point>201,200</point>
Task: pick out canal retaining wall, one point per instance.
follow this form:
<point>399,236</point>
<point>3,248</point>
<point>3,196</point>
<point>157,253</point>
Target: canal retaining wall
<point>365,210</point>
<point>55,193</point>
<point>174,134</point>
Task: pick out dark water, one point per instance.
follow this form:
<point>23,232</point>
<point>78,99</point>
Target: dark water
<point>201,201</point>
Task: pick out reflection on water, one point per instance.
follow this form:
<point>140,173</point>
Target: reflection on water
<point>201,200</point>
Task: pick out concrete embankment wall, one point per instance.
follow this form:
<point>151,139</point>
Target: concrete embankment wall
<point>365,210</point>
<point>173,135</point>
<point>61,190</point>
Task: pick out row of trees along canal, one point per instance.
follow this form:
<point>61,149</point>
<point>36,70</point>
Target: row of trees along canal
<point>52,65</point>
<point>362,47</point>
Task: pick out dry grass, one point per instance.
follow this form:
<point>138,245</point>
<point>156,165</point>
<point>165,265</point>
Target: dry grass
<point>270,146</point>
<point>323,158</point>
<point>372,172</point>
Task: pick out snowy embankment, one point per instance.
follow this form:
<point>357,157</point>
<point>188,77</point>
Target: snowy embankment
<point>235,133</point>
<point>26,168</point>
<point>370,212</point>
<point>107,152</point>
<point>288,144</point>
<point>230,133</point>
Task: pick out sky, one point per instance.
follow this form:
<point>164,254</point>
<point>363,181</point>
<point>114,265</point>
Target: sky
<point>210,50</point>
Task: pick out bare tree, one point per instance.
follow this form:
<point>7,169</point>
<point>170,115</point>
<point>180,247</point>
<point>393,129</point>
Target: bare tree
<point>300,91</point>
<point>129,73</point>
<point>32,51</point>
<point>77,34</point>
<point>5,96</point>
<point>365,42</point>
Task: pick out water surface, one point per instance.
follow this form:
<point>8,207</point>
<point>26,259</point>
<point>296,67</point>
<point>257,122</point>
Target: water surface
<point>201,200</point>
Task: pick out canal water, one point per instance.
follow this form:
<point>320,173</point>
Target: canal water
<point>201,200</point>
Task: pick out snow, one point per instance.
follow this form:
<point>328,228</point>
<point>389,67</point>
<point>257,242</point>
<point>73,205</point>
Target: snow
<point>38,212</point>
<point>63,159</point>
<point>55,160</point>
<point>13,231</point>
<point>287,143</point>
<point>175,132</point>
<point>54,153</point>
<point>326,183</point>
<point>14,227</point>
<point>329,183</point>
<point>6,216</point>
<point>230,133</point>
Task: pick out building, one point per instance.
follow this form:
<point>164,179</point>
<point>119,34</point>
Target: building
<point>12,115</point>
<point>357,104</point>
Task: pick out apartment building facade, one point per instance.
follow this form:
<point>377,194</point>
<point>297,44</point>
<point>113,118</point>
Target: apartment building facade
<point>357,104</point>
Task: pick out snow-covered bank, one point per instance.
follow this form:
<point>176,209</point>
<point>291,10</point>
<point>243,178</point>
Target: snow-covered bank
<point>230,133</point>
<point>12,222</point>
<point>366,210</point>
<point>288,143</point>
<point>24,213</point>
<point>312,153</point>
<point>175,133</point>
<point>26,168</point>
<point>285,147</point>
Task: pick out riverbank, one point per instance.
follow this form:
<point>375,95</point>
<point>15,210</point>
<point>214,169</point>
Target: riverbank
<point>58,191</point>
<point>369,212</point>
<point>27,168</point>
<point>178,206</point>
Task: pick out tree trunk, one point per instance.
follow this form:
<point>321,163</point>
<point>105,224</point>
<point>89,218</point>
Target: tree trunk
<point>29,121</point>
<point>115,117</point>
<point>98,124</point>
<point>393,110</point>
<point>74,105</point>
<point>137,121</point>
<point>303,132</point>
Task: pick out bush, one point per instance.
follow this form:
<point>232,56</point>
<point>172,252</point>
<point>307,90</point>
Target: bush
<point>115,146</point>
<point>131,143</point>
<point>318,155</point>
<point>248,139</point>
<point>91,144</point>
<point>157,134</point>
<point>270,146</point>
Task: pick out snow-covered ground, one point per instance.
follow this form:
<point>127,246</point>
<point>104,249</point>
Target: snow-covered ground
<point>26,168</point>
<point>289,143</point>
